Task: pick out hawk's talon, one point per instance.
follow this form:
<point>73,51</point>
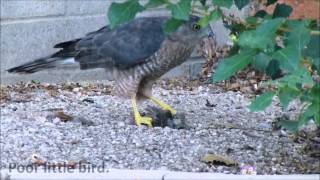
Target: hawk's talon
<point>140,120</point>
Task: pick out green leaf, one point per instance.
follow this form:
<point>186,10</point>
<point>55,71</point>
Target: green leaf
<point>241,3</point>
<point>292,126</point>
<point>181,10</point>
<point>231,65</point>
<point>269,2</point>
<point>120,13</point>
<point>269,27</point>
<point>273,69</point>
<point>261,102</point>
<point>214,16</point>
<point>312,112</point>
<point>263,36</point>
<point>313,24</point>
<point>282,10</point>
<point>316,64</point>
<point>223,3</point>
<point>313,48</point>
<point>300,34</point>
<point>312,95</point>
<point>234,50</point>
<point>252,40</point>
<point>297,79</point>
<point>156,3</point>
<point>289,58</point>
<point>286,95</point>
<point>172,25</point>
<point>315,93</point>
<point>313,51</point>
<point>261,61</point>
<point>261,13</point>
<point>252,20</point>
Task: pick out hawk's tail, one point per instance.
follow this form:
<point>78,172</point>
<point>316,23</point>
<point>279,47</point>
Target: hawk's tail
<point>63,57</point>
<point>41,64</point>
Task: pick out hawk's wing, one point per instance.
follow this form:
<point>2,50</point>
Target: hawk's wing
<point>126,46</point>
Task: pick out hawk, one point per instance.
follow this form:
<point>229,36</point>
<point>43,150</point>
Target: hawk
<point>136,54</point>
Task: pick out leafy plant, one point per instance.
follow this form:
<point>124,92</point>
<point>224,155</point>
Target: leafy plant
<point>286,50</point>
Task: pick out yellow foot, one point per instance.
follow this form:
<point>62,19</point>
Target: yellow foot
<point>137,116</point>
<point>143,121</point>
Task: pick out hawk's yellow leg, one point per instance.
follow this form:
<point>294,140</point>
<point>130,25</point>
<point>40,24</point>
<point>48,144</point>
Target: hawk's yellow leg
<point>137,116</point>
<point>163,105</point>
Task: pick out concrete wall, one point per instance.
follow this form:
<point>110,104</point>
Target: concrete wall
<point>29,29</point>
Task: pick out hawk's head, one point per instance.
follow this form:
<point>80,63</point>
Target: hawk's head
<point>192,31</point>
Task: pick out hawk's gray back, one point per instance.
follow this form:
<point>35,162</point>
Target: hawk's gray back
<point>126,46</point>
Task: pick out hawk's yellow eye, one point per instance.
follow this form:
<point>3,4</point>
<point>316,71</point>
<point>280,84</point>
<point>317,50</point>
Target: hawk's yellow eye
<point>196,27</point>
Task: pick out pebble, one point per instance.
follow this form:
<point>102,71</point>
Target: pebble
<point>76,89</point>
<point>83,121</point>
<point>107,133</point>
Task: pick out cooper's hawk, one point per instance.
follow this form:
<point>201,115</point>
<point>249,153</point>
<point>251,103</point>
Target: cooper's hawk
<point>136,54</point>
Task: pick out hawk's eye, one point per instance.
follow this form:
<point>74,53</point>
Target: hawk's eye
<point>196,27</point>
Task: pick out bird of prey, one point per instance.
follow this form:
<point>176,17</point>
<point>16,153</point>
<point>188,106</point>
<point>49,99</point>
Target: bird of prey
<point>136,53</point>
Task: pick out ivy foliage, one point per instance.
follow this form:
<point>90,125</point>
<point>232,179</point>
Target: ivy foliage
<point>287,50</point>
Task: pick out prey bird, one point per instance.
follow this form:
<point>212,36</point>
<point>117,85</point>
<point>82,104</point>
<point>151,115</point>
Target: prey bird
<point>136,54</point>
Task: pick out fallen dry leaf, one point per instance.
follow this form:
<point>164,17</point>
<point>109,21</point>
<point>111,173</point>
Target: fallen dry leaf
<point>4,94</point>
<point>37,160</point>
<point>63,116</point>
<point>246,81</point>
<point>218,159</point>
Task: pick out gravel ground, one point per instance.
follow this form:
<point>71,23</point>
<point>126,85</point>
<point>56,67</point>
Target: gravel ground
<point>97,128</point>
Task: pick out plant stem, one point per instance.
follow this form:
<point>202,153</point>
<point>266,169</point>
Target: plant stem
<point>312,32</point>
<point>315,33</point>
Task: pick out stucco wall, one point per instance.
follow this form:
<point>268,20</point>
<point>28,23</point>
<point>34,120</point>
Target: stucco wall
<point>29,29</point>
